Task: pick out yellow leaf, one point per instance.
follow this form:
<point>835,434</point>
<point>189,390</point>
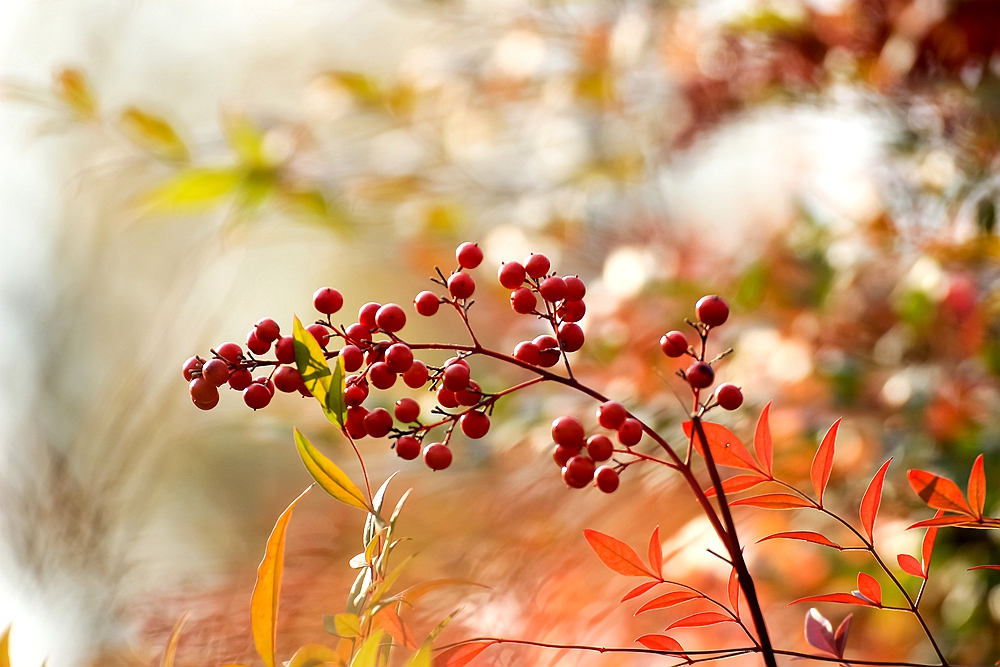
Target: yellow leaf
<point>267,589</point>
<point>245,139</point>
<point>421,658</point>
<point>191,190</point>
<point>362,88</point>
<point>314,655</point>
<point>344,649</point>
<point>311,362</point>
<point>347,625</point>
<point>175,637</point>
<point>153,134</point>
<point>5,648</point>
<point>326,473</point>
<point>368,655</point>
<point>72,88</point>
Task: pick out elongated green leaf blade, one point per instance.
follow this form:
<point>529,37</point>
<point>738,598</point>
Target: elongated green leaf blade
<point>332,479</point>
<point>311,362</point>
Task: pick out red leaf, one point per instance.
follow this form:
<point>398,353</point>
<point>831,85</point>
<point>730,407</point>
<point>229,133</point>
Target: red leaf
<point>910,565</point>
<point>617,555</point>
<point>842,598</point>
<point>869,587</point>
<point>734,592</point>
<point>639,590</point>
<point>939,521</point>
<point>656,552</point>
<point>927,549</point>
<point>461,655</point>
<point>977,486</point>
<point>668,600</point>
<point>700,619</point>
<point>938,492</point>
<point>774,501</point>
<point>727,450</point>
<point>819,632</point>
<point>985,567</point>
<point>871,501</point>
<point>738,483</point>
<point>396,628</point>
<point>840,637</point>
<point>804,535</point>
<point>822,464</point>
<point>660,643</point>
<point>762,444</point>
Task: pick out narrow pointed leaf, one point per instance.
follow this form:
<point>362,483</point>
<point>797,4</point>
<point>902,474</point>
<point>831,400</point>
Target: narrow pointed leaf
<point>267,589</point>
<point>727,450</point>
<point>842,598</point>
<point>822,465</point>
<point>773,501</point>
<point>460,656</point>
<point>640,589</point>
<point>153,134</point>
<point>660,643</point>
<point>910,565</point>
<point>395,626</point>
<point>927,547</point>
<point>5,648</point>
<point>71,87</point>
<point>311,362</point>
<point>175,637</point>
<point>977,487</point>
<point>367,656</point>
<point>938,492</point>
<point>700,619</point>
<point>656,553</point>
<point>870,588</point>
<point>804,536</point>
<point>738,483</point>
<point>315,655</point>
<point>944,520</point>
<point>819,632</point>
<point>441,626</point>
<point>840,637</point>
<point>734,592</point>
<point>668,600</point>
<point>331,478</point>
<point>985,567</point>
<point>190,190</point>
<point>417,591</point>
<point>762,444</point>
<point>871,501</point>
<point>617,555</point>
<point>336,404</point>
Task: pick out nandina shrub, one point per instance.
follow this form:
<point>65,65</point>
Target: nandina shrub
<point>341,365</point>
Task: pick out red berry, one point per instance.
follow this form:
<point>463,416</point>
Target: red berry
<point>287,379</point>
<point>611,415</point>
<point>548,355</point>
<point>600,447</point>
<point>378,422</point>
<point>266,383</point>
<point>426,303</point>
<point>469,255</point>
<point>630,432</point>
<point>203,391</point>
<point>390,318</point>
<point>456,377</point>
<point>366,315</point>
<point>728,396</point>
<point>256,396</point>
<point>575,288</point>
<point>381,376</point>
<point>456,360</point>
<point>352,357</point>
<point>407,410</point>
<point>511,275</point>
<point>417,376</point>
<point>207,405</point>
<point>267,330</point>
<point>446,398</point>
<point>216,371</point>
<point>231,352</point>
<point>527,352</point>
<point>305,390</point>
<point>523,301</point>
<point>571,336</point>
<point>284,351</point>
<point>553,289</point>
<point>606,479</point>
<point>474,424</point>
<point>399,357</point>
<point>355,422</point>
<point>355,393</point>
<point>240,379</point>
<point>700,375</point>
<point>256,345</point>
<point>674,344</point>
<point>320,333</point>
<point>327,300</point>
<point>191,367</point>
<point>437,456</point>
<point>572,311</point>
<point>578,472</point>
<point>563,454</point>
<point>461,285</point>
<point>358,333</point>
<point>712,310</point>
<point>568,432</point>
<point>408,448</point>
<point>470,395</point>
<point>537,265</point>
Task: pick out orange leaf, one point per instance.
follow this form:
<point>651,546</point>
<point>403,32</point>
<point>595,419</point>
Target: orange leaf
<point>977,486</point>
<point>985,567</point>
<point>822,464</point>
<point>938,492</point>
<point>869,587</point>
<point>734,592</point>
<point>461,655</point>
<point>394,625</point>
<point>640,589</point>
<point>804,535</point>
<point>871,501</point>
<point>738,483</point>
<point>700,619</point>
<point>774,501</point>
<point>927,548</point>
<point>910,565</point>
<point>762,444</point>
<point>842,598</point>
<point>617,555</point>
<point>727,450</point>
<point>660,643</point>
<point>945,520</point>
<point>668,600</point>
<point>656,552</point>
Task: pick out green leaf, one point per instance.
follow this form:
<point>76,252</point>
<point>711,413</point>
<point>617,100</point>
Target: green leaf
<point>336,404</point>
<point>311,362</point>
<point>153,134</point>
<point>347,625</point>
<point>383,586</point>
<point>190,190</point>
<point>332,479</point>
<point>368,655</point>
<point>441,626</point>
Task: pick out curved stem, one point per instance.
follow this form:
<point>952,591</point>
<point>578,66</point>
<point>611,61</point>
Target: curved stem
<point>703,656</point>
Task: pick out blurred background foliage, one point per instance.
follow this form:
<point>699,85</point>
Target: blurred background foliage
<point>829,166</point>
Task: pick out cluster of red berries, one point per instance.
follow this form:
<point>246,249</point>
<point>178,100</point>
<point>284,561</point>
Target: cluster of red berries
<point>578,457</point>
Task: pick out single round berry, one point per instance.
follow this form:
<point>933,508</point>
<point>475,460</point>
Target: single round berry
<point>474,424</point>
<point>256,396</point>
<point>407,448</point>
<point>537,265</point>
<point>548,354</point>
<point>240,379</point>
<point>674,344</point>
<point>231,352</point>
<point>256,345</point>
<point>203,391</point>
<point>630,432</point>
<point>426,303</point>
<point>469,255</point>
<point>712,310</point>
<point>700,375</point>
<point>358,333</point>
<point>470,395</point>
<point>216,371</point>
<point>355,422</point>
<point>572,311</point>
<point>381,376</point>
<point>563,454</point>
<point>437,456</point>
<point>568,432</point>
<point>287,379</point>
<point>575,288</point>
<point>399,357</point>
<point>511,275</point>
<point>456,377</point>
<point>417,376</point>
<point>446,398</point>
<point>320,333</point>
<point>328,300</point>
<point>284,351</point>
<point>527,352</point>
<point>600,447</point>
<point>407,410</point>
<point>728,396</point>
<point>456,360</point>
<point>267,330</point>
<point>461,285</point>
<point>553,289</point>
<point>611,415</point>
<point>192,367</point>
<point>355,394</point>
<point>352,357</point>
<point>523,301</point>
<point>571,335</point>
<point>378,422</point>
<point>207,405</point>
<point>366,315</point>
<point>578,472</point>
<point>606,479</point>
<point>265,382</point>
<point>390,318</point>
<point>374,354</point>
